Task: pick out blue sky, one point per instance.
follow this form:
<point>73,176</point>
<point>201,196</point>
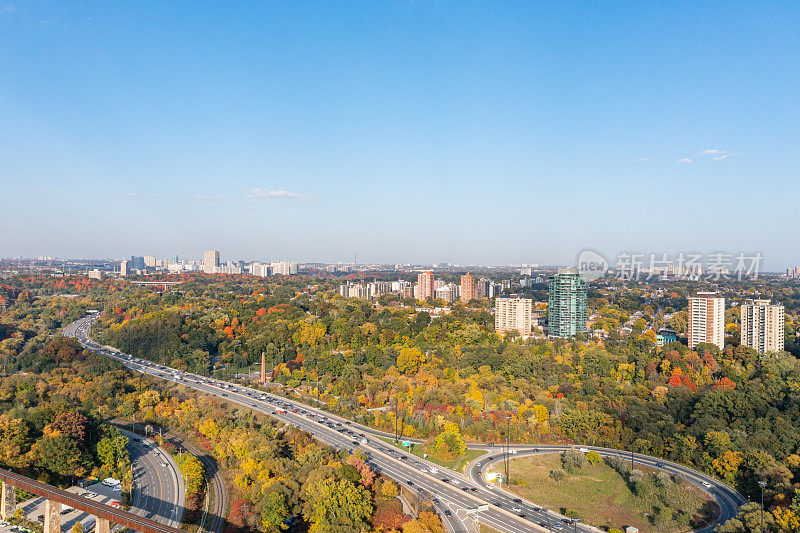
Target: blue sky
<point>406,132</point>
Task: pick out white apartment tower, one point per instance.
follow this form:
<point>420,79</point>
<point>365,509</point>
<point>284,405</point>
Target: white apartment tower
<point>706,319</point>
<point>210,261</point>
<point>762,326</point>
<point>513,314</point>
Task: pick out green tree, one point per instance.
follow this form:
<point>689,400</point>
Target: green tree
<point>336,506</point>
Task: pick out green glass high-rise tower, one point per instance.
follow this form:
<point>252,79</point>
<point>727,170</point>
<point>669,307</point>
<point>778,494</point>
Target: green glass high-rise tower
<point>566,311</point>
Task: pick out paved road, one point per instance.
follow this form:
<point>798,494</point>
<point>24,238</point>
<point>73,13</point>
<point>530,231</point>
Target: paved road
<point>449,490</point>
<point>158,488</point>
<point>727,500</point>
<point>213,518</point>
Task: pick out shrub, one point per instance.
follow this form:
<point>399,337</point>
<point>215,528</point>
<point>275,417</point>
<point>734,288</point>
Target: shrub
<point>557,474</point>
<point>572,459</point>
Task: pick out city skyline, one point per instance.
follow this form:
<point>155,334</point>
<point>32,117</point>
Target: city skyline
<point>401,132</point>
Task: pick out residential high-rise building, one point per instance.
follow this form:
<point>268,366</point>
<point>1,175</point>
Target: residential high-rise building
<point>150,261</point>
<point>425,285</point>
<point>447,292</point>
<point>284,268</point>
<point>566,310</point>
<point>137,262</point>
<point>484,288</point>
<point>123,268</point>
<point>469,290</point>
<point>706,319</point>
<point>513,314</point>
<point>210,261</point>
<point>762,326</point>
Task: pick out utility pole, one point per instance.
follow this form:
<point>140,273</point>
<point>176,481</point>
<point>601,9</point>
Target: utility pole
<point>395,417</point>
<point>762,484</point>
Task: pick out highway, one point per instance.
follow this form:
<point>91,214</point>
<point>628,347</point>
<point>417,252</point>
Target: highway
<point>158,488</point>
<point>448,490</point>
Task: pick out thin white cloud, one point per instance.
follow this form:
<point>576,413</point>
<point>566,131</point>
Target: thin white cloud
<point>719,155</point>
<point>206,196</point>
<point>262,194</point>
<point>684,160</point>
<point>638,160</point>
<point>130,194</point>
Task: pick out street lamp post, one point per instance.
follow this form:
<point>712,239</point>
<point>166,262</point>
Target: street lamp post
<point>508,445</point>
<point>762,484</point>
<point>575,522</point>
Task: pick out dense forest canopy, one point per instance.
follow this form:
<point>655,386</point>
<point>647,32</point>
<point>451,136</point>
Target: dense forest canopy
<point>732,413</point>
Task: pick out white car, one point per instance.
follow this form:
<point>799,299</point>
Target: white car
<point>706,484</point>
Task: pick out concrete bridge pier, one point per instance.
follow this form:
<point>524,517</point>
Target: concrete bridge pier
<point>52,517</point>
<point>8,501</point>
<point>102,525</point>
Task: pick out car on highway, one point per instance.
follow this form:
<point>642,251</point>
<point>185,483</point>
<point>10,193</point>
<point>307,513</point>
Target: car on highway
<point>706,484</point>
<point>447,512</point>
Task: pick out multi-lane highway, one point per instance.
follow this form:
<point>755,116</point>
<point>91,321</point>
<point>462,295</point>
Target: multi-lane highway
<point>158,488</point>
<point>453,494</point>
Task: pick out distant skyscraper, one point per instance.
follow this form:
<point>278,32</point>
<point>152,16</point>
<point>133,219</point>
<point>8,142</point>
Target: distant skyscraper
<point>468,288</point>
<point>425,284</point>
<point>137,262</point>
<point>566,310</point>
<point>150,261</point>
<point>123,268</point>
<point>762,326</point>
<point>706,319</point>
<point>210,261</point>
<point>513,314</point>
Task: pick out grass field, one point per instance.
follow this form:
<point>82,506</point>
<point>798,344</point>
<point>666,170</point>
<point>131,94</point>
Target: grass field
<point>601,497</point>
<point>457,465</point>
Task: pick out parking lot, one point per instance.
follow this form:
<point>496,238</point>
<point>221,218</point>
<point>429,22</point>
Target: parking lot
<point>34,508</point>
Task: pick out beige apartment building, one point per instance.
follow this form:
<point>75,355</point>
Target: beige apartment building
<point>706,319</point>
<point>762,326</point>
<point>513,314</point>
<point>210,261</point>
